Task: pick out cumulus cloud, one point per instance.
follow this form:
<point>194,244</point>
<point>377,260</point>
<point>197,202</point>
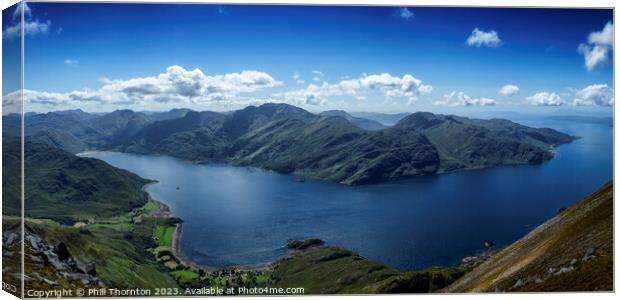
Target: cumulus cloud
<point>509,90</point>
<point>545,99</point>
<point>595,94</point>
<point>405,13</point>
<point>600,44</point>
<point>175,85</point>
<point>480,38</point>
<point>390,86</point>
<point>31,26</point>
<point>461,99</point>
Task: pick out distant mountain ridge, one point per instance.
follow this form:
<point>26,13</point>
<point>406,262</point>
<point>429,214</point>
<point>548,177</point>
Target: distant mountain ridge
<point>332,145</point>
<point>359,122</point>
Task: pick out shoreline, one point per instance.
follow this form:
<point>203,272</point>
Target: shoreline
<point>166,212</point>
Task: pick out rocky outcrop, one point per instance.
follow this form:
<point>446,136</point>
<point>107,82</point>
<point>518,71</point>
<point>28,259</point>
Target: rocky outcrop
<point>47,264</point>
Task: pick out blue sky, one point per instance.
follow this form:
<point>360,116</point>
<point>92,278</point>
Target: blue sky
<point>209,57</point>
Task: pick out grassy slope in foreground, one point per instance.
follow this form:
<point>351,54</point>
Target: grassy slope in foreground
<point>119,257</point>
<point>330,270</point>
<point>573,251</point>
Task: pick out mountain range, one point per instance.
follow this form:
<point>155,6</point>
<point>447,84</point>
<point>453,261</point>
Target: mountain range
<point>332,145</point>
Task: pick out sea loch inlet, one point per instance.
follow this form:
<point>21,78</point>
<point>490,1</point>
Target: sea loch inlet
<point>244,216</point>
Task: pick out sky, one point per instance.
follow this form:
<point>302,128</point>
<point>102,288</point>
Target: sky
<point>102,57</point>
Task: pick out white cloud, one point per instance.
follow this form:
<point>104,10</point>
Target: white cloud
<point>175,85</point>
<point>71,62</point>
<point>595,94</point>
<point>31,28</point>
<point>509,90</point>
<point>484,38</point>
<point>317,75</point>
<point>600,44</point>
<point>604,37</point>
<point>405,13</point>
<point>461,99</point>
<point>390,86</point>
<point>545,99</point>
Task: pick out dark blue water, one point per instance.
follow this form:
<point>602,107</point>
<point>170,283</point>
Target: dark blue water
<point>243,216</point>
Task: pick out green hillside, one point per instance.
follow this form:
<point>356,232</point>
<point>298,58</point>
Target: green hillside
<point>465,143</point>
<point>68,188</point>
<point>329,270</point>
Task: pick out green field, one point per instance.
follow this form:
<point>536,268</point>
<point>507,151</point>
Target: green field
<point>164,234</point>
<point>151,205</point>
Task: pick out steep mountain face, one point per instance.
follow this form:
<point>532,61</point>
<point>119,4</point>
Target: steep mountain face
<point>164,135</point>
<point>252,117</point>
<point>288,139</point>
<point>465,143</point>
<point>333,149</point>
<point>66,130</point>
<point>120,126</point>
<point>362,123</point>
<point>68,188</point>
<point>573,251</point>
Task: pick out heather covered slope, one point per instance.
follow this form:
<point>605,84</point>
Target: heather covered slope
<point>573,251</point>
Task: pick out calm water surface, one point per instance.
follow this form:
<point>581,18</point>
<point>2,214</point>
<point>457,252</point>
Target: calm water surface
<point>244,216</point>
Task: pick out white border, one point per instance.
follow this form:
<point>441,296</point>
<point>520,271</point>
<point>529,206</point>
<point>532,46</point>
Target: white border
<point>507,3</point>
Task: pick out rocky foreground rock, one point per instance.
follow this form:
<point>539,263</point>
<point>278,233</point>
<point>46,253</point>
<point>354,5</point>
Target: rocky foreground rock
<point>49,266</point>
